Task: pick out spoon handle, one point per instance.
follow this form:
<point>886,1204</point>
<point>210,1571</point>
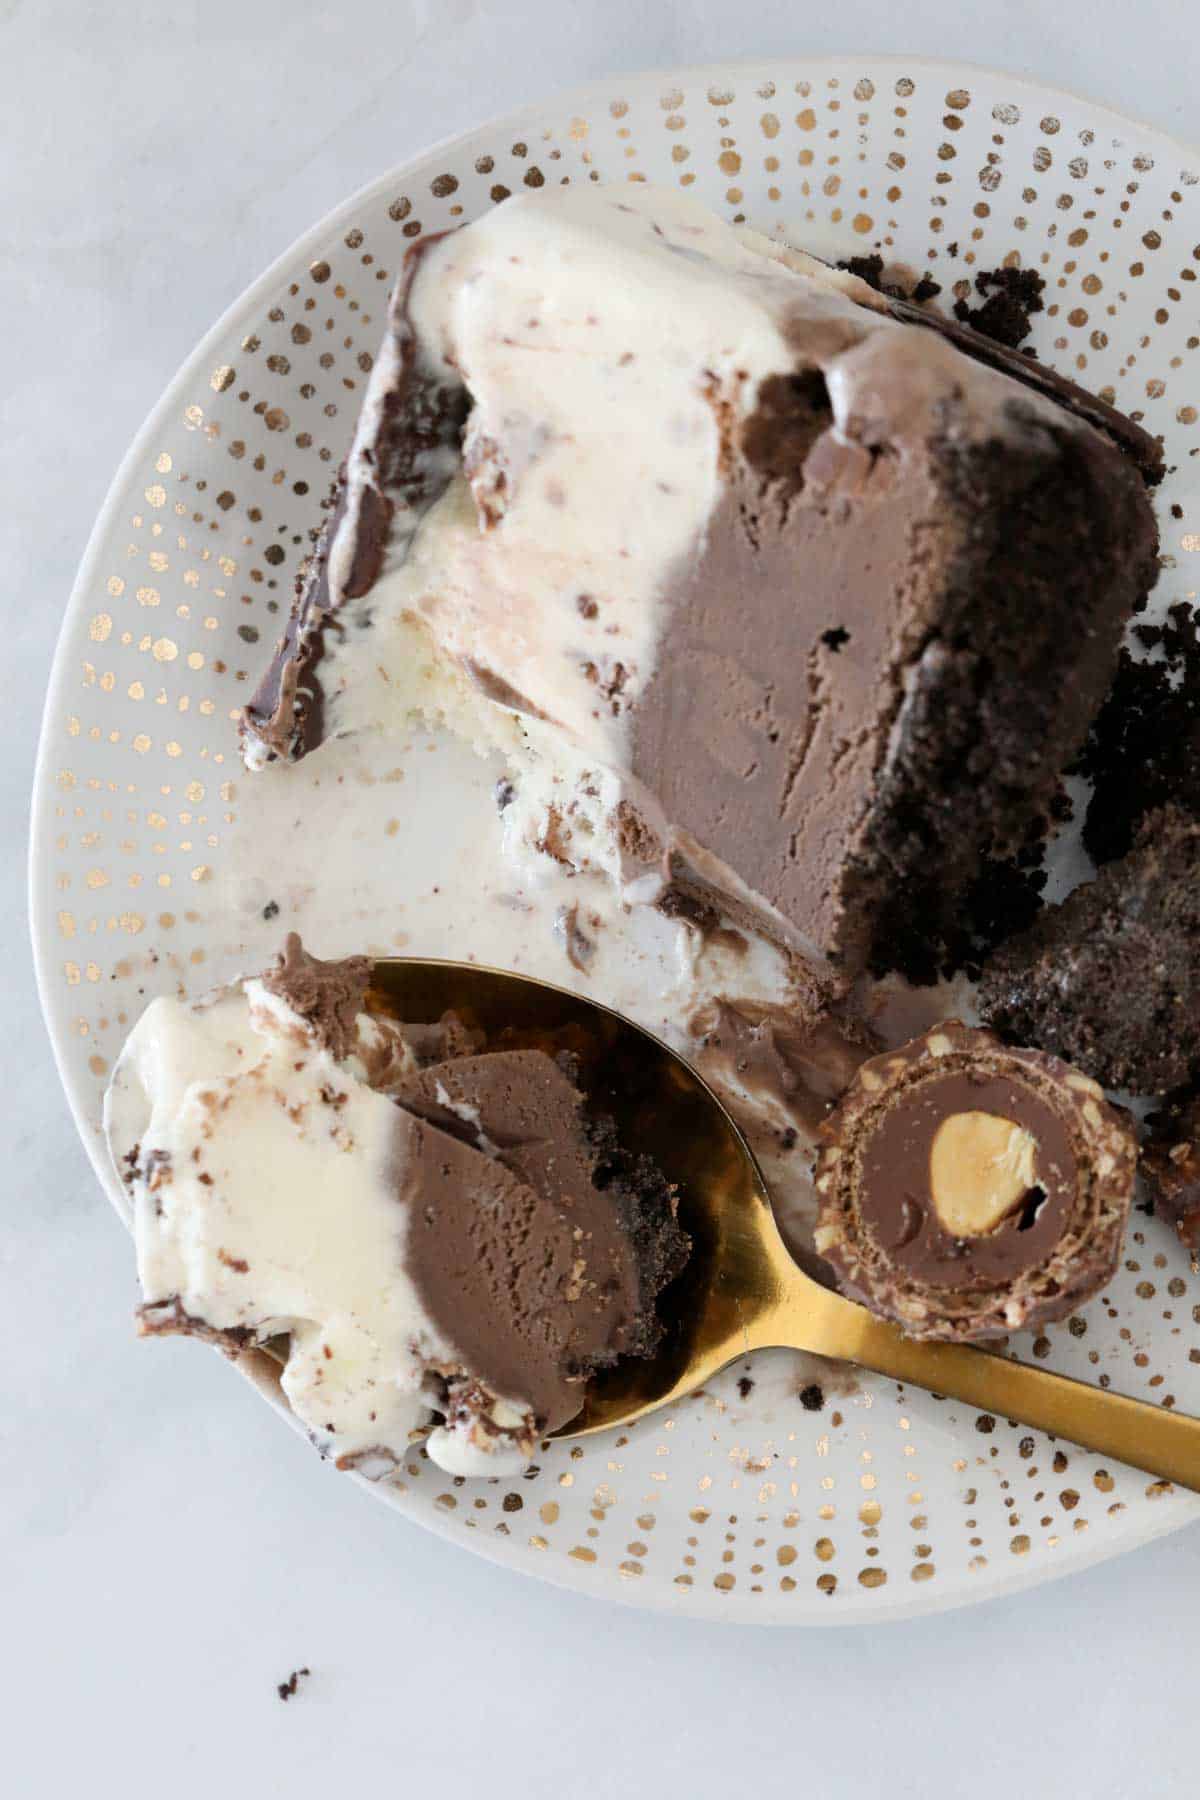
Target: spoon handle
<point>1164,1443</point>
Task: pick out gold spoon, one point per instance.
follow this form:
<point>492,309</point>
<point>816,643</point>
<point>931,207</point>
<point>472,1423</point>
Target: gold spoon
<point>741,1289</point>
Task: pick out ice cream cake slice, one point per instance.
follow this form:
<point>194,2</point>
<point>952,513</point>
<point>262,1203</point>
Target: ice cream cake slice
<point>804,597</point>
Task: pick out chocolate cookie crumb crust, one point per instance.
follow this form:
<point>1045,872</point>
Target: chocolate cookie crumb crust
<point>1111,978</point>
<point>1143,748</point>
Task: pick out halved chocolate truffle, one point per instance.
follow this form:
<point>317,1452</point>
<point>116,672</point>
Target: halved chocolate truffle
<point>967,1189</point>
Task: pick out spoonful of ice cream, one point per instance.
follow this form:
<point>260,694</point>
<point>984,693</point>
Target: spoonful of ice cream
<point>467,1208</point>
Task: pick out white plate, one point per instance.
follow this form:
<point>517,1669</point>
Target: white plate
<point>738,1508</point>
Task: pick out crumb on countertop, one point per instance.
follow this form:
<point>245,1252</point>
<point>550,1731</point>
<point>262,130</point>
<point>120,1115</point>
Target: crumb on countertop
<point>285,1689</point>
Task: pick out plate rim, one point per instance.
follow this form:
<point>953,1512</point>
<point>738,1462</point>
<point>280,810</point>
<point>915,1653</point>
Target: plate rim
<point>593,1582</point>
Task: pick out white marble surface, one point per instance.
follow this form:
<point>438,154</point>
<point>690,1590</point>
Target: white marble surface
<point>167,1551</point>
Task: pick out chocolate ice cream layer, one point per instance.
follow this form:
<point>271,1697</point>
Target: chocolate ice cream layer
<point>943,623</point>
<point>284,1188</point>
<point>967,1189</point>
<point>537,1294</point>
<point>814,594</point>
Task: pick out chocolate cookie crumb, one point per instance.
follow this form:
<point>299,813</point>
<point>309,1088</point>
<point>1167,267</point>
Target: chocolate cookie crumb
<point>870,270</point>
<point>285,1689</point>
<point>1111,978</point>
<point>812,1397</point>
<point>1005,898</point>
<point>745,1386</point>
<point>1011,295</point>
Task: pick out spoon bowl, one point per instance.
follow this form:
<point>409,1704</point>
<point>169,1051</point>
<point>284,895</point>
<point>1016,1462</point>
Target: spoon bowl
<point>741,1289</point>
